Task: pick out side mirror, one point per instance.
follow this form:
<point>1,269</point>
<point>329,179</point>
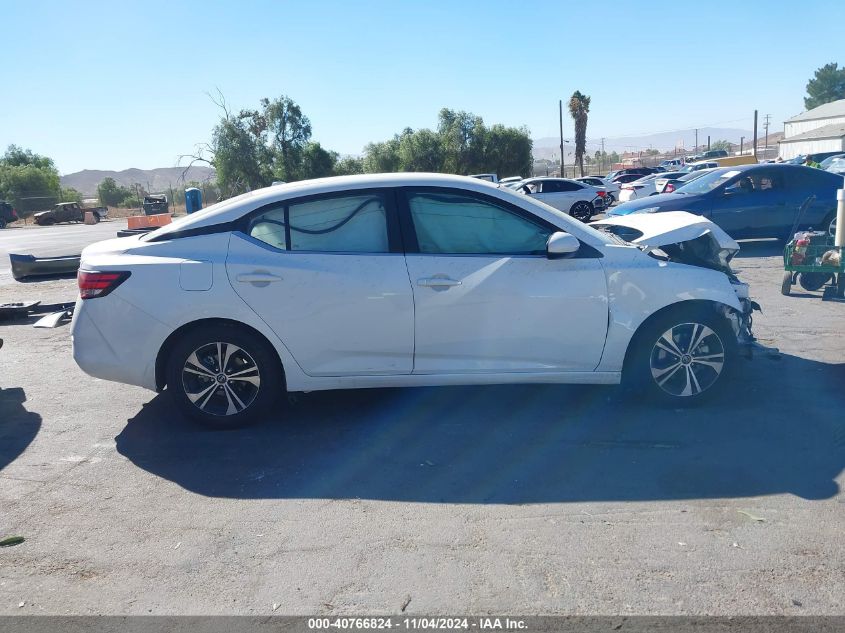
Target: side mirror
<point>561,244</point>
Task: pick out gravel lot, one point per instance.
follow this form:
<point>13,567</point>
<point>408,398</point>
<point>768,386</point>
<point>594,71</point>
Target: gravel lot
<point>524,499</point>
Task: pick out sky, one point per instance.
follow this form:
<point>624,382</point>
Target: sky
<point>114,85</point>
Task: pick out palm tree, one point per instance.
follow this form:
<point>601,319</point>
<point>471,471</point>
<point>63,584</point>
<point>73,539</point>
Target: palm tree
<point>579,106</point>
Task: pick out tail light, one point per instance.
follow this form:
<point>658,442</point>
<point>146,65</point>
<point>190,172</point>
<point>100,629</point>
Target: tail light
<point>93,285</point>
<point>669,188</point>
<point>601,193</point>
<point>15,214</point>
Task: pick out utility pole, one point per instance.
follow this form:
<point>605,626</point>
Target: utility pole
<point>708,142</point>
<point>741,141</point>
<point>754,149</point>
<point>602,154</point>
<point>696,141</point>
<point>766,127</point>
<point>560,105</point>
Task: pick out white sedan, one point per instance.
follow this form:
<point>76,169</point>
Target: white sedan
<point>647,185</point>
<point>577,199</point>
<point>398,280</point>
<point>612,188</point>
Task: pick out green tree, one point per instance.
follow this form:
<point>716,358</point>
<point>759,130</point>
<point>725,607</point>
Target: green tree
<point>462,135</point>
<point>827,84</point>
<point>316,162</point>
<point>240,159</point>
<point>508,151</point>
<point>111,194</point>
<point>579,107</point>
<point>69,194</point>
<point>420,151</point>
<point>27,180</point>
<point>349,165</point>
<point>382,157</point>
<point>721,144</point>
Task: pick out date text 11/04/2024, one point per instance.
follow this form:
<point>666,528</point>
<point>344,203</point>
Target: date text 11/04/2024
<point>417,623</point>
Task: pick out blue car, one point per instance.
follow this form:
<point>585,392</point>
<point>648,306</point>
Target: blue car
<point>750,201</point>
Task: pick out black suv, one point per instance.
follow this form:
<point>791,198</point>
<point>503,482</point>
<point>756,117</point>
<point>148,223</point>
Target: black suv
<point>7,214</point>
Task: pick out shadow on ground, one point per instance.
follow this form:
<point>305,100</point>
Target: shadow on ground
<point>18,427</point>
<point>778,429</point>
<point>760,248</point>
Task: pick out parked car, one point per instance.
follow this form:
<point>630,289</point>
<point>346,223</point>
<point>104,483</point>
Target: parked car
<point>707,164</point>
<point>836,165</point>
<point>672,164</point>
<point>752,201</point>
<point>611,188</point>
<point>487,177</point>
<point>623,179</point>
<point>68,212</point>
<point>314,285</point>
<point>155,204</point>
<point>645,186</point>
<point>714,153</point>
<point>824,164</point>
<point>577,199</point>
<point>642,171</point>
<point>7,214</point>
<point>668,185</point>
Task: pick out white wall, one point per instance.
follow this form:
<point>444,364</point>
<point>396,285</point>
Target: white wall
<point>787,150</point>
<point>799,127</point>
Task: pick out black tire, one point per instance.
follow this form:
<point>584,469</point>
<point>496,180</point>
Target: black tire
<point>813,281</point>
<point>786,284</point>
<point>582,211</point>
<point>610,200</point>
<point>223,402</point>
<point>660,374</point>
<point>2,223</point>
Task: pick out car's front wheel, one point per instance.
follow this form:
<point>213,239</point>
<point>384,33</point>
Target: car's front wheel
<point>682,356</point>
<point>223,376</point>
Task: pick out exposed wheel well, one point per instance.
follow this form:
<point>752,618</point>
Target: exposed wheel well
<point>164,351</point>
<point>714,307</point>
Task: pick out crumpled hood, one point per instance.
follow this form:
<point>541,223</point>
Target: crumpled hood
<point>675,231</point>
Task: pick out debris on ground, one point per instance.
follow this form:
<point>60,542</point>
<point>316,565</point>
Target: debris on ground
<point>752,516</point>
<point>12,540</point>
<point>406,602</point>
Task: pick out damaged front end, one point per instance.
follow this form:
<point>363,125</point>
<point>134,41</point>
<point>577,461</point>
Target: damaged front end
<point>685,238</point>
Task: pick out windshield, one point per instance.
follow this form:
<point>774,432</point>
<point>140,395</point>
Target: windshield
<point>708,182</point>
<point>827,162</point>
<point>837,165</point>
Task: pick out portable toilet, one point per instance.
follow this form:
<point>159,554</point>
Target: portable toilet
<point>193,199</point>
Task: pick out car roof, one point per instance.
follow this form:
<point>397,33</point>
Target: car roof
<point>234,208</point>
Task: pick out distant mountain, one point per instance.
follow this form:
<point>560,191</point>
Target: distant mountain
<point>665,141</point>
<point>152,180</point>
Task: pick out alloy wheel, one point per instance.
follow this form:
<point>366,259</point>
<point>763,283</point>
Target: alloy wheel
<point>581,211</point>
<point>221,378</point>
<point>687,359</point>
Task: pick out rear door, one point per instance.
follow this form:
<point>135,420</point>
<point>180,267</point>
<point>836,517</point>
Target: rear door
<point>328,275</point>
<point>487,297</point>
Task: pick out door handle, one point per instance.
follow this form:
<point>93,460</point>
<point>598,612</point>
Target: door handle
<point>257,278</point>
<point>438,282</point>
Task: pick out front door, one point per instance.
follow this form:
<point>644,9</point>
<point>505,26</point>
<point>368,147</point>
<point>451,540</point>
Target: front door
<point>487,297</point>
<point>328,276</point>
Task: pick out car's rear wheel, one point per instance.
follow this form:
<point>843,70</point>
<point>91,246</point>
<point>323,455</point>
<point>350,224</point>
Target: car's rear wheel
<point>582,211</point>
<point>682,357</point>
<point>2,223</point>
<point>223,376</point>
<point>829,224</point>
<point>610,199</point>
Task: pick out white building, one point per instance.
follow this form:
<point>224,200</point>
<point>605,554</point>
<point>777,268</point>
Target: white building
<point>821,129</point>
